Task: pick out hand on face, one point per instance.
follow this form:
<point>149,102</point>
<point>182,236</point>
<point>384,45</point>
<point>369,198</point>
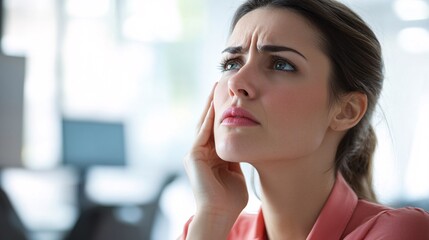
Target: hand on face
<point>219,187</point>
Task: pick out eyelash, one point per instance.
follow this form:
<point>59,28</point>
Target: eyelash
<point>274,60</point>
<point>225,62</point>
<point>277,59</point>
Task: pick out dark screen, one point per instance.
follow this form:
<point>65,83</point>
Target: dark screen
<point>91,143</point>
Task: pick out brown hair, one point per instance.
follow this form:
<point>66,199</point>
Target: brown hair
<point>355,54</point>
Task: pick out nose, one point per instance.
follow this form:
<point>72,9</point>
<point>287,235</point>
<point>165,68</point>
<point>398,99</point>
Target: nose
<point>241,84</point>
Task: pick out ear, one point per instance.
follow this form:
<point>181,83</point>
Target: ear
<point>349,112</point>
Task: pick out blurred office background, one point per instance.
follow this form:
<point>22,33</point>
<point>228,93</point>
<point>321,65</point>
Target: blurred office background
<point>131,77</point>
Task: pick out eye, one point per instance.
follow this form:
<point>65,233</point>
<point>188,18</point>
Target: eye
<point>283,65</point>
<point>230,64</point>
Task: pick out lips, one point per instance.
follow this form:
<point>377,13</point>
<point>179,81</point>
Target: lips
<point>236,116</point>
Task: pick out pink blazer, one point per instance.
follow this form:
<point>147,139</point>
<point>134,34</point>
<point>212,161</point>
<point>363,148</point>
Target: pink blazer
<point>344,216</point>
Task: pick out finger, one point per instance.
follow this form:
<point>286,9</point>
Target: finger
<point>206,129</point>
<point>209,101</point>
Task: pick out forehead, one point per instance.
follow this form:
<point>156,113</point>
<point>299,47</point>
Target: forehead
<point>269,25</point>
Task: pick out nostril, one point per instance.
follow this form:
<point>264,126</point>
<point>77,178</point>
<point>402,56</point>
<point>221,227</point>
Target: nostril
<point>244,92</point>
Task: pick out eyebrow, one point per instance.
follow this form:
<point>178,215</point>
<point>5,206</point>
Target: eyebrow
<point>233,50</point>
<point>264,48</point>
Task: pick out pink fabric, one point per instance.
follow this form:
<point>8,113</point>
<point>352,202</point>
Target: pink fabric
<point>344,216</point>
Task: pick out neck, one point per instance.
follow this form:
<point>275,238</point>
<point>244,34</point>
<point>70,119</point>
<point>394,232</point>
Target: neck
<point>293,195</point>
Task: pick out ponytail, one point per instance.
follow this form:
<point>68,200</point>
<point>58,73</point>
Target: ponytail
<point>354,159</point>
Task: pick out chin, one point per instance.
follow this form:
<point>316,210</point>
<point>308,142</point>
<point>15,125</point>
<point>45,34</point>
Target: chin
<point>233,154</point>
<point>236,146</point>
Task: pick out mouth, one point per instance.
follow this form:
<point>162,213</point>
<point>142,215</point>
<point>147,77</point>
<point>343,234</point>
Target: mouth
<point>236,116</point>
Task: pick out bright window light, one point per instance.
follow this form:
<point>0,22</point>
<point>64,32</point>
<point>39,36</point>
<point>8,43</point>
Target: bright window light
<point>148,22</point>
<point>417,177</point>
<point>414,40</point>
<point>409,10</point>
<point>83,8</point>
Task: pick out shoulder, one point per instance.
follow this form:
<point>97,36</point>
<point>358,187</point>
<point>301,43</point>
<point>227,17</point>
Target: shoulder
<point>401,223</point>
<point>404,218</point>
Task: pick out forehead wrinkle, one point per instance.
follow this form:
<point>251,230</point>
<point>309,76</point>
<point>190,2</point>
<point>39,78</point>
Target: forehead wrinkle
<point>251,39</point>
<point>241,44</point>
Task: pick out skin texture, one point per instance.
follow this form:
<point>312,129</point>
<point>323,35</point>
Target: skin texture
<point>292,107</point>
<point>292,139</point>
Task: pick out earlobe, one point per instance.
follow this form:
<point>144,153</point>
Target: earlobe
<point>350,111</point>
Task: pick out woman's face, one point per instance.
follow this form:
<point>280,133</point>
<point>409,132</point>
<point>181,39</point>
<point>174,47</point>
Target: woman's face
<point>272,101</point>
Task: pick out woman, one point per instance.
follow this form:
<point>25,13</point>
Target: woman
<point>300,82</point>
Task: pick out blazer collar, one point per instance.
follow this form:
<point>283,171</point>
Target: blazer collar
<point>336,213</point>
<point>332,220</point>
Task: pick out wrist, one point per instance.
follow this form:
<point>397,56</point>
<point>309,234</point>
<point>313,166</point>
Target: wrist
<point>210,225</point>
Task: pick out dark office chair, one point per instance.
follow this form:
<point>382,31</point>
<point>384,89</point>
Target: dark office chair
<point>103,223</point>
<point>11,226</point>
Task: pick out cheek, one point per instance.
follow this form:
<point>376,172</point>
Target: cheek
<point>300,118</point>
<point>220,97</point>
<point>298,102</point>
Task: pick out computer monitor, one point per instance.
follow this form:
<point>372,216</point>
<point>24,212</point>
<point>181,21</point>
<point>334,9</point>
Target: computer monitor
<point>93,143</point>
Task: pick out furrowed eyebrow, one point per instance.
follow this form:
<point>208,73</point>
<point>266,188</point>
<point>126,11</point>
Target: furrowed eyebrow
<point>264,48</point>
<point>275,48</point>
<point>233,50</point>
